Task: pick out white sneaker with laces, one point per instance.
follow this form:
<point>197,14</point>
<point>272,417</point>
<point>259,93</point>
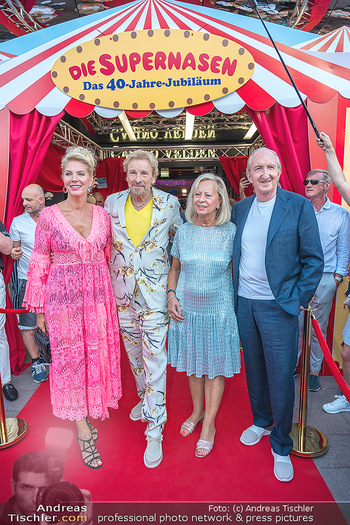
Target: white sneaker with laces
<point>340,404</point>
<point>39,373</point>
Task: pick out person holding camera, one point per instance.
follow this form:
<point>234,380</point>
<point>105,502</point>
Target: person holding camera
<point>69,288</point>
<point>29,477</point>
<point>39,494</point>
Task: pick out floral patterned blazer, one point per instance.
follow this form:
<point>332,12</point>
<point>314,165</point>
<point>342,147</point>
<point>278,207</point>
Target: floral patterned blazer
<point>148,263</point>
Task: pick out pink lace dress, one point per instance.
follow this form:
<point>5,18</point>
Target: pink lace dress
<point>75,293</point>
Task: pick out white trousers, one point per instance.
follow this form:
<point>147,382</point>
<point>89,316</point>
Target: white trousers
<point>144,332</point>
<point>5,369</point>
<point>321,306</point>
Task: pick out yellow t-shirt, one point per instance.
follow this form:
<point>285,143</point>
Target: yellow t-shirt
<point>137,222</point>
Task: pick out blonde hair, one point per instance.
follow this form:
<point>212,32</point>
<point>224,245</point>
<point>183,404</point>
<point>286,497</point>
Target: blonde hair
<point>90,199</point>
<point>224,212</point>
<point>80,154</point>
<point>144,155</point>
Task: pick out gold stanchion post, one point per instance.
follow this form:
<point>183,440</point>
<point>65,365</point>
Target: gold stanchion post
<point>308,442</point>
<point>12,429</point>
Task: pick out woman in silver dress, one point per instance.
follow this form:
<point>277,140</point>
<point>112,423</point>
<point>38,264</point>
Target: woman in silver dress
<point>203,334</point>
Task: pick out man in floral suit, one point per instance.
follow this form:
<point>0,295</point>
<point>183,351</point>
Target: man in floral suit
<point>144,220</point>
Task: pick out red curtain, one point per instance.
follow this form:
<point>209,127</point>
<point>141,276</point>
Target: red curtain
<point>49,176</point>
<point>111,168</point>
<point>285,131</point>
<point>234,167</point>
<point>30,136</point>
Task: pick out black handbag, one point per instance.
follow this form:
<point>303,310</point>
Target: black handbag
<point>42,341</point>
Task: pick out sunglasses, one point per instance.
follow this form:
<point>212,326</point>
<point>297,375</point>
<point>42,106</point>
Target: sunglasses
<point>313,182</point>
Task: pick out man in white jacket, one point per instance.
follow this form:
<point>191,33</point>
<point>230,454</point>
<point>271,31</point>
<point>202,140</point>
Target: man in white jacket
<point>144,220</point>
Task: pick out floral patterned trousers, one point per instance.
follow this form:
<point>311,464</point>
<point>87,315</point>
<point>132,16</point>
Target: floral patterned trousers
<point>144,334</point>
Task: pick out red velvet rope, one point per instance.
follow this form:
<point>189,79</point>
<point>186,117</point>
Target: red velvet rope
<point>13,310</point>
<point>330,361</point>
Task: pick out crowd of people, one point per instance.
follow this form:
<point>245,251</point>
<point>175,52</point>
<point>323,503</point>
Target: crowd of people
<point>88,270</point>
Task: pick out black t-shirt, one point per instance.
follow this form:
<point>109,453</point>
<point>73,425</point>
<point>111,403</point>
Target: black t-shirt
<point>4,232</point>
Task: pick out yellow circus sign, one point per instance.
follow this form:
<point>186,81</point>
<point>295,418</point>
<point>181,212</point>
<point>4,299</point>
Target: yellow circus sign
<point>154,69</point>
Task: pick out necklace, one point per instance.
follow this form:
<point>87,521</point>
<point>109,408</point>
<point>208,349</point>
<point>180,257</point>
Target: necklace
<point>140,206</point>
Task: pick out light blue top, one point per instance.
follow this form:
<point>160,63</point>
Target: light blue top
<point>207,341</point>
<point>334,226</point>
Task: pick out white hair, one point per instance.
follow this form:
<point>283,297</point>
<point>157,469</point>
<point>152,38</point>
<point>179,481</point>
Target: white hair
<point>224,212</point>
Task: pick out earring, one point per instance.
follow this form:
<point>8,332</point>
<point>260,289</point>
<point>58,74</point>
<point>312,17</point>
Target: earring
<point>218,207</point>
<point>64,189</point>
<point>89,190</point>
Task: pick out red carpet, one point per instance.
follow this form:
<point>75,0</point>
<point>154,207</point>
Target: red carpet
<point>232,472</point>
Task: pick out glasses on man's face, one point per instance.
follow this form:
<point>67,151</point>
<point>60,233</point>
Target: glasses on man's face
<point>313,182</point>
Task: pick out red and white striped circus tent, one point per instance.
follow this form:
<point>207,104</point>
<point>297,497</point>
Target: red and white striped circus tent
<point>31,105</point>
<point>5,56</point>
<point>337,41</point>
<point>25,80</point>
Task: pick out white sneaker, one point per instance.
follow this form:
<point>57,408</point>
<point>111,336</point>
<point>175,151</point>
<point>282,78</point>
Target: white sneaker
<point>340,404</point>
<point>153,454</point>
<point>136,412</point>
<point>253,434</point>
<point>283,468</point>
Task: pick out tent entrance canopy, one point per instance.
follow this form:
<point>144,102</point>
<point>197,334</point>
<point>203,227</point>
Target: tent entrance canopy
<point>25,79</point>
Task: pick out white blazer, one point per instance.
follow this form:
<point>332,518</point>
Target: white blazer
<point>148,263</point>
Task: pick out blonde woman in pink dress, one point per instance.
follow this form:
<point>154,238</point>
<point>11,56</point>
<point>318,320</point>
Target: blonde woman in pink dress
<point>70,290</point>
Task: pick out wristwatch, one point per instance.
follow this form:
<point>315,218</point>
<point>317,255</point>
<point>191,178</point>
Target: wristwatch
<point>340,279</point>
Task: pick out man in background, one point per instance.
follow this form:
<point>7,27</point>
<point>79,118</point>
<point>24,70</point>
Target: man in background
<point>334,227</point>
<point>98,198</point>
<point>22,233</point>
<point>340,404</point>
<point>10,392</point>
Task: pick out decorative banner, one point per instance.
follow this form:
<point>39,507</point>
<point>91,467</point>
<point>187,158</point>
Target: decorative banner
<point>154,69</point>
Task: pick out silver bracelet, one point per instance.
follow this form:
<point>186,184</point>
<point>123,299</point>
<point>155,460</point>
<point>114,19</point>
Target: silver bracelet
<point>171,297</point>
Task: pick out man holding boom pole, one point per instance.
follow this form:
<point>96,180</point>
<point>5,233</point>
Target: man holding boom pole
<point>340,404</point>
